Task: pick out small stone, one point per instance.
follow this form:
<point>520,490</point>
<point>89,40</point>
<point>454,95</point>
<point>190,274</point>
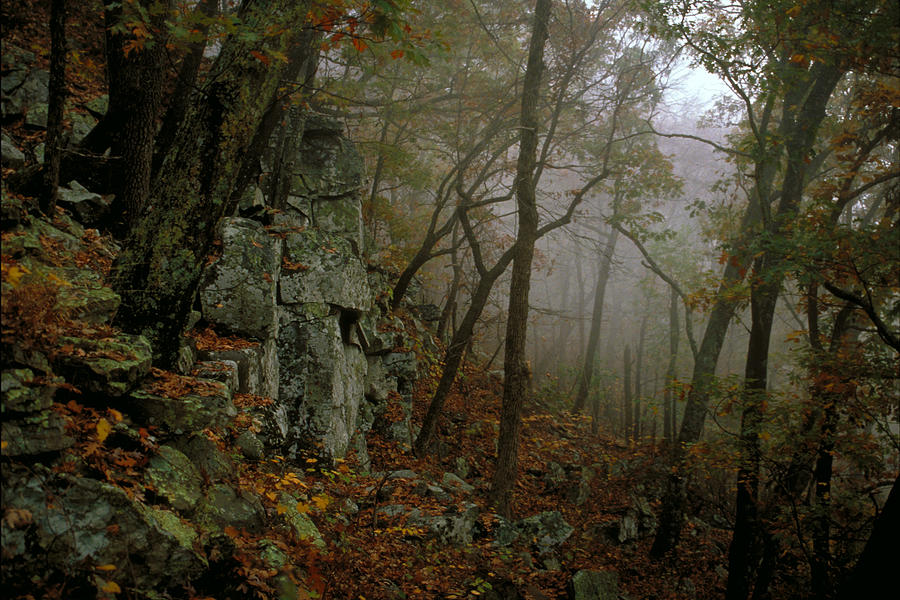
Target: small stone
<point>250,446</point>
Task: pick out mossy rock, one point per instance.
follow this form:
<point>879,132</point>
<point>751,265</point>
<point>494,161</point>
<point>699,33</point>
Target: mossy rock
<point>21,394</point>
<point>176,478</point>
<point>112,366</point>
<point>36,433</point>
<point>187,413</point>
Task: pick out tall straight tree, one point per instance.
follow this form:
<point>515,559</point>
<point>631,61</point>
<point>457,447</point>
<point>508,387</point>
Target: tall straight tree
<point>516,374</point>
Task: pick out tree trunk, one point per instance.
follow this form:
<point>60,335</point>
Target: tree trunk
<point>135,99</point>
<point>161,261</point>
<point>638,375</point>
<point>590,353</point>
<point>448,314</point>
<point>516,373</point>
<point>302,63</point>
<point>185,83</point>
<point>454,354</point>
<point>743,544</point>
<point>627,400</point>
<point>668,396</point>
<point>805,100</point>
<point>56,107</point>
<point>876,570</point>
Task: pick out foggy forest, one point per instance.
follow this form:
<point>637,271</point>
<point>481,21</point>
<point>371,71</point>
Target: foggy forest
<point>510,299</point>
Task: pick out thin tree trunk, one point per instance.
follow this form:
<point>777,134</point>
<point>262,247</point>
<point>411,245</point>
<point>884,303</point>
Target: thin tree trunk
<point>590,353</point>
<point>57,102</point>
<point>638,375</point>
<point>516,373</point>
<point>668,396</point>
<point>627,399</point>
<point>454,354</point>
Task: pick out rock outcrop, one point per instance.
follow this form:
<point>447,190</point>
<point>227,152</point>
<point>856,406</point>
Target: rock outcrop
<point>293,280</point>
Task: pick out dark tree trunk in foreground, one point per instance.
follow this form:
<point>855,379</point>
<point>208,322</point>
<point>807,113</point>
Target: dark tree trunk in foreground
<point>590,353</point>
<point>135,69</point>
<point>516,374</point>
<point>673,503</point>
<point>57,102</point>
<point>875,573</point>
<point>160,264</point>
<point>805,100</point>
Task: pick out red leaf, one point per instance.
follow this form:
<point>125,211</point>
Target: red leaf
<point>261,57</point>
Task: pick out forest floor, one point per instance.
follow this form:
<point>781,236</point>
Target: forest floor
<point>370,554</point>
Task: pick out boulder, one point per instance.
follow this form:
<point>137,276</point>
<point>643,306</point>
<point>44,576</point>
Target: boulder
<point>26,89</point>
<point>94,523</point>
<point>457,528</point>
<point>327,176</point>
<point>456,484</point>
<point>237,290</point>
<point>300,523</point>
<point>35,433</point>
<point>10,155</point>
<point>88,207</point>
<point>212,463</point>
<point>257,367</point>
<point>250,445</point>
<point>224,507</point>
<point>223,371</point>
<point>547,530</point>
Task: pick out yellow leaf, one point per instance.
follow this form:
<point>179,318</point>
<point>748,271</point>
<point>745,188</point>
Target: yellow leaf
<point>302,508</point>
<point>105,567</point>
<point>281,508</point>
<point>103,429</point>
<point>321,502</point>
<point>271,496</point>
<point>3,445</point>
<point>14,274</point>
<point>111,587</point>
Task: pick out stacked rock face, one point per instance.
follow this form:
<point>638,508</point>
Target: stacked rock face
<point>293,280</point>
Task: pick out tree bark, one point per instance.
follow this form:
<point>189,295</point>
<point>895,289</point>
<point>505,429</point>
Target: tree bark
<point>876,570</point>
<point>638,375</point>
<point>516,373</point>
<point>56,107</point>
